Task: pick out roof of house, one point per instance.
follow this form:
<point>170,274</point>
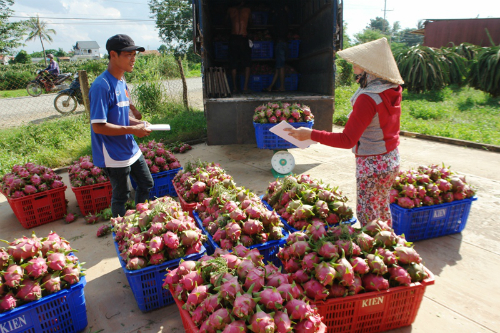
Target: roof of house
<point>155,52</point>
<point>87,45</point>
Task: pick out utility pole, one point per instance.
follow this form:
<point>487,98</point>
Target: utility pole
<point>385,11</point>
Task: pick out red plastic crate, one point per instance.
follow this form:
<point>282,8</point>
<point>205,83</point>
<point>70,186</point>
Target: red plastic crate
<point>187,207</point>
<point>93,198</point>
<point>374,311</point>
<point>40,208</point>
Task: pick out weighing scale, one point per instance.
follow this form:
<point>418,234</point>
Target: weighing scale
<point>282,163</point>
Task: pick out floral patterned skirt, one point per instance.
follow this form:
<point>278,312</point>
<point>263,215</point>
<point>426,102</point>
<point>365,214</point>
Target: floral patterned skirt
<point>374,178</point>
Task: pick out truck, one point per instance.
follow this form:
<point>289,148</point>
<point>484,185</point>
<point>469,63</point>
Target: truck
<point>318,25</point>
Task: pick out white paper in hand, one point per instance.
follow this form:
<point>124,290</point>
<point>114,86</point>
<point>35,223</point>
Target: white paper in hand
<point>279,131</point>
<point>159,127</point>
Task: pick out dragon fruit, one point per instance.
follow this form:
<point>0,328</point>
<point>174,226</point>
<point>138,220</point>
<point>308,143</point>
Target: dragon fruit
<point>13,276</point>
<point>300,276</point>
<point>374,282</point>
<point>238,326</point>
<point>220,319</point>
<point>36,267</point>
<point>51,283</point>
<point>325,273</point>
<point>229,289</point>
<point>29,290</point>
<point>71,273</point>
<point>256,277</point>
<point>190,280</point>
<point>298,309</point>
<point>300,248</point>
<point>7,302</point>
<point>103,230</point>
<point>157,258</point>
<point>309,325</point>
<point>315,290</point>
<point>407,255</point>
<point>289,291</point>
<point>282,322</point>
<point>376,263</point>
<point>388,256</point>
<point>310,260</point>
<point>24,248</point>
<point>417,272</point>
<point>244,305</point>
<point>199,315</point>
<point>262,322</point>
<point>400,276</point>
<point>70,217</point>
<point>359,265</point>
<point>4,258</point>
<point>270,298</point>
<point>328,250</point>
<point>196,296</point>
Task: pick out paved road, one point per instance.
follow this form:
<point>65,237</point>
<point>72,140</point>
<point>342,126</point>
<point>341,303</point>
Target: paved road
<point>24,110</point>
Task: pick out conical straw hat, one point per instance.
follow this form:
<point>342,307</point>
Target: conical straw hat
<point>374,57</point>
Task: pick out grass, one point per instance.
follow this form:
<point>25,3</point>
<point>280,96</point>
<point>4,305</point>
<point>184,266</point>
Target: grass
<point>58,142</point>
<point>13,93</point>
<point>454,112</point>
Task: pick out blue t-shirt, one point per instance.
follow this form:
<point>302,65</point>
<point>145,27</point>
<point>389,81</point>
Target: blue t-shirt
<point>109,103</point>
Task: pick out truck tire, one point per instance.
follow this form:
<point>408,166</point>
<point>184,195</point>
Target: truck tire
<point>65,103</point>
<point>34,89</point>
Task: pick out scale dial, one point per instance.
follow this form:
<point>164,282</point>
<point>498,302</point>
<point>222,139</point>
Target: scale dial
<point>283,162</point>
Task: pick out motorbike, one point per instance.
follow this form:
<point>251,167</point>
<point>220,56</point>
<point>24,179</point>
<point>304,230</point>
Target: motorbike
<point>67,100</point>
<point>40,83</point>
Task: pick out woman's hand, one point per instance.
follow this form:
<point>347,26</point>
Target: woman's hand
<point>301,133</point>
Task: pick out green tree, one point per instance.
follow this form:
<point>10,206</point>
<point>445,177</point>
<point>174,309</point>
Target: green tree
<point>174,20</point>
<point>11,33</point>
<point>379,24</point>
<point>60,53</point>
<point>38,29</point>
<point>368,35</point>
<point>39,54</point>
<point>163,49</point>
<point>346,39</point>
<point>22,58</point>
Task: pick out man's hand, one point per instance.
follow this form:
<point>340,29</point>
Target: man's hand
<point>140,130</point>
<point>301,133</point>
<point>135,112</point>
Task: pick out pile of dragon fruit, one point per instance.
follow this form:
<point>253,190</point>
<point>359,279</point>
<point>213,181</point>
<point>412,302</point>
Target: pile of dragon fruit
<point>179,147</point>
<point>275,112</point>
<point>344,261</point>
<point>32,267</point>
<point>236,292</point>
<point>83,172</point>
<point>193,183</point>
<point>429,185</point>
<point>238,216</point>
<point>29,179</point>
<point>302,200</point>
<point>158,158</point>
<point>156,232</point>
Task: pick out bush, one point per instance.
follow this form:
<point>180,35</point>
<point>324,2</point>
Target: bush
<point>345,73</point>
<point>12,80</point>
<point>484,73</point>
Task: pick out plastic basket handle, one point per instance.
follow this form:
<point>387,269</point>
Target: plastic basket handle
<point>40,197</point>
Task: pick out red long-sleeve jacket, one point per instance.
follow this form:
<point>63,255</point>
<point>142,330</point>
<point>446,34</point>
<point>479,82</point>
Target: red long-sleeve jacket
<point>373,126</point>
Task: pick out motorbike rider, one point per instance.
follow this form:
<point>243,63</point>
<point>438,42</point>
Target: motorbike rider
<point>52,71</point>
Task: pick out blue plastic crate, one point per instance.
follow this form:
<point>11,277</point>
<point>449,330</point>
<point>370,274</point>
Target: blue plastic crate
<point>146,283</point>
<point>262,49</point>
<point>221,50</point>
<point>64,311</point>
<point>292,229</point>
<point>293,49</point>
<point>257,82</point>
<point>291,82</point>
<point>269,249</point>
<point>260,18</point>
<point>268,140</point>
<point>431,221</point>
<point>163,184</point>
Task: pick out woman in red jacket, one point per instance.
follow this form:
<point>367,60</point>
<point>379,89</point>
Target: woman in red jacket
<point>372,130</point>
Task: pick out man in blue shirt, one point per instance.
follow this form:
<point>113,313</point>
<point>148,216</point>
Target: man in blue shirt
<point>112,129</point>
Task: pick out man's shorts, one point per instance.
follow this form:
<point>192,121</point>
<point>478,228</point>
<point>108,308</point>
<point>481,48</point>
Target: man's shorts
<point>239,52</point>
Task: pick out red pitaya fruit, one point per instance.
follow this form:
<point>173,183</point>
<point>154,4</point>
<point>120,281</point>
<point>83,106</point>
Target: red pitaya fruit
<point>324,273</point>
<point>229,289</point>
<point>252,227</point>
<point>385,238</point>
<point>317,230</point>
<point>189,237</point>
<point>376,263</point>
<point>310,325</point>
<point>29,290</point>
<point>416,271</point>
<point>211,304</point>
<point>393,195</point>
<point>292,265</point>
<point>24,248</point>
<point>233,231</point>
<point>373,227</point>
<point>196,296</point>
<point>310,260</point>
<point>190,280</point>
<point>262,322</point>
<point>232,260</point>
<point>220,319</point>
<point>13,276</point>
<point>36,267</point>
<point>256,277</point>
<point>406,202</point>
<point>357,286</point>
<point>457,185</point>
<point>359,265</point>
<point>244,267</point>
<point>244,305</point>
<point>300,248</point>
<point>71,273</point>
<point>345,272</point>
<point>103,230</point>
<point>283,322</point>
<point>92,218</point>
<point>400,276</point>
<point>373,282</point>
<point>238,326</point>
<point>199,315</point>
<point>289,291</point>
<point>157,258</point>
<point>137,250</point>
<point>7,302</point>
<point>186,267</point>
<point>4,258</point>
<point>315,290</point>
<point>349,247</point>
<point>407,255</point>
<point>300,276</point>
<point>51,283</point>
<point>298,309</point>
<point>365,242</point>
<point>240,250</point>
<point>135,263</point>
<point>388,256</point>
<point>155,244</point>
<point>270,298</point>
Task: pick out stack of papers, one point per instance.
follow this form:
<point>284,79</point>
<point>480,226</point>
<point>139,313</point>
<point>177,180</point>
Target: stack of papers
<point>159,127</point>
<point>279,131</point>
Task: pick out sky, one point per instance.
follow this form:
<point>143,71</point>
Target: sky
<point>132,17</point>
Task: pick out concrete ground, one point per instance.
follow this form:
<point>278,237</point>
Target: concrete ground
<point>465,297</point>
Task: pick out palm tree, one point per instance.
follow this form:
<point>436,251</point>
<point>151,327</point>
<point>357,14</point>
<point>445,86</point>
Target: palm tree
<point>38,29</point>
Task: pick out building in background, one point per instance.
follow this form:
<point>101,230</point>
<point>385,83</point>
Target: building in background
<point>448,32</point>
<point>86,50</point>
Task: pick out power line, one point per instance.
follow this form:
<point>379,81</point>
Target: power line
<point>83,18</point>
